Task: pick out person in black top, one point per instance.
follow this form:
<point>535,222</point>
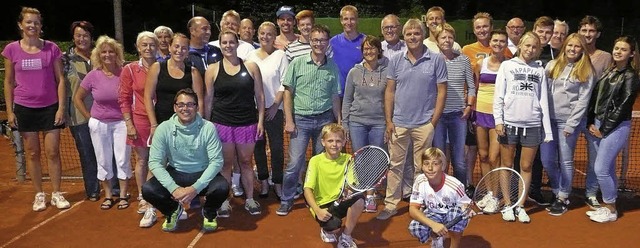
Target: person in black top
<point>201,54</point>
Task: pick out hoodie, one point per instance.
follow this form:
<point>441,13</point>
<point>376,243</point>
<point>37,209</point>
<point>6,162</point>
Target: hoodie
<point>363,100</point>
<point>189,149</point>
<point>520,98</point>
<point>569,97</point>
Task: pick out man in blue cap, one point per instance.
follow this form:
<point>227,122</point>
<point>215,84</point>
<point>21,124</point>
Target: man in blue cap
<point>286,21</point>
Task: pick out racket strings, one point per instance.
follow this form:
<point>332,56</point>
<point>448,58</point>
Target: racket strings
<point>368,167</point>
<point>498,190</point>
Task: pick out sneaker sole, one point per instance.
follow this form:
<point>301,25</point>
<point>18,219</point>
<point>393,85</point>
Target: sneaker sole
<point>254,213</point>
<point>224,215</point>
<point>282,213</point>
<point>150,224</point>
<point>537,202</point>
<point>557,214</point>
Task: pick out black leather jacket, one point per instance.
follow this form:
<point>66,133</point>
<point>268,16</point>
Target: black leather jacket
<point>613,97</point>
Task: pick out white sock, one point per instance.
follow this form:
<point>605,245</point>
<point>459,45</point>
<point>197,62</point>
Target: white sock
<point>235,179</point>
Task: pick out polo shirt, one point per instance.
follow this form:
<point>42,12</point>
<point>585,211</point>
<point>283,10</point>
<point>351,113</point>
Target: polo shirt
<point>391,50</point>
<point>312,86</point>
<point>346,54</point>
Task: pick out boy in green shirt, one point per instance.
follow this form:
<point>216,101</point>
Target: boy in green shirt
<point>322,187</point>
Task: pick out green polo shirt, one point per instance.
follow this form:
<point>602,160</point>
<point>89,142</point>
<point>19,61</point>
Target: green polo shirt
<point>312,86</point>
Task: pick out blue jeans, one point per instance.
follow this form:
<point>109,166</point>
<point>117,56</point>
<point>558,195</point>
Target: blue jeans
<point>87,159</point>
<point>591,185</point>
<point>362,135</point>
<point>557,159</point>
<point>605,164</point>
<point>453,126</point>
<point>307,128</point>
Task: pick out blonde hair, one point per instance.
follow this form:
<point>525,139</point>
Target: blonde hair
<point>583,68</point>
<point>267,24</point>
<point>147,34</point>
<point>102,41</point>
<point>435,9</point>
<point>481,15</point>
<point>445,27</point>
<point>349,8</point>
<point>531,35</point>
<point>332,128</point>
<point>432,153</point>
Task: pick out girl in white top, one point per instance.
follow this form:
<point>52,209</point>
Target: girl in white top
<point>272,63</point>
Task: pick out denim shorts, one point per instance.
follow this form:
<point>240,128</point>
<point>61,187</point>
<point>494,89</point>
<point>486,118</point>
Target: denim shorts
<point>529,137</point>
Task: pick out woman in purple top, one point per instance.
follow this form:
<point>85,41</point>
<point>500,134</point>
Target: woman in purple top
<point>35,93</point>
<point>106,123</point>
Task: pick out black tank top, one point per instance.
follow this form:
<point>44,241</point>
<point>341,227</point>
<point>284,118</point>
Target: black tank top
<point>234,98</point>
<point>166,90</point>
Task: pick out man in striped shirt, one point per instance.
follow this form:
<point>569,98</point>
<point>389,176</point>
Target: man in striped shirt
<point>301,46</point>
<point>311,101</point>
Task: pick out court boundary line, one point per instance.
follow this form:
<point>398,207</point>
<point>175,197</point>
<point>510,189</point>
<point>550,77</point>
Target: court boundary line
<point>25,233</point>
<point>196,239</point>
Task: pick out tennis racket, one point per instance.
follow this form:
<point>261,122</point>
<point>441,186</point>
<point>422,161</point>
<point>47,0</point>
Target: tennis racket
<point>499,190</point>
<point>366,169</point>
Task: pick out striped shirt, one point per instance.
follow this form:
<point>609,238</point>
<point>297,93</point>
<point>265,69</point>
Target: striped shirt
<point>312,86</point>
<point>296,49</point>
<point>459,73</point>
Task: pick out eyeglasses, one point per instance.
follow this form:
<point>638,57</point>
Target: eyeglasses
<point>319,41</point>
<point>515,27</point>
<point>190,105</point>
<point>389,28</point>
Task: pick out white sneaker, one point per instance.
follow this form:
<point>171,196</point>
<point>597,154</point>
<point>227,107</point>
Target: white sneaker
<point>603,215</point>
<point>149,218</point>
<point>491,206</point>
<point>225,210</point>
<point>58,200</point>
<point>437,242</point>
<point>485,200</point>
<point>237,190</point>
<point>523,217</point>
<point>184,215</point>
<point>39,203</point>
<point>508,215</point>
<point>327,237</point>
<point>142,205</point>
<point>346,242</point>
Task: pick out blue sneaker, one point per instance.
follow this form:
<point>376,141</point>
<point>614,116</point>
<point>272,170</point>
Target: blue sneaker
<point>171,222</point>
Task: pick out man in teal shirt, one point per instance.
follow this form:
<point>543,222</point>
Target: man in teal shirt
<point>186,159</point>
<point>311,101</point>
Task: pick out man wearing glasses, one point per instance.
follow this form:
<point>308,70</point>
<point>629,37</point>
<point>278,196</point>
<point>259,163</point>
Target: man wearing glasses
<point>515,30</point>
<point>311,101</point>
<point>191,147</point>
<point>392,43</point>
<point>433,18</point>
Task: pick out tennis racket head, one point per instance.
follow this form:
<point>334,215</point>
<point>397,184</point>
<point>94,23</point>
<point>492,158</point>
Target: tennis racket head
<point>368,168</point>
<point>499,190</point>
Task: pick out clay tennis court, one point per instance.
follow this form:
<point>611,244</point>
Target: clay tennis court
<point>85,225</point>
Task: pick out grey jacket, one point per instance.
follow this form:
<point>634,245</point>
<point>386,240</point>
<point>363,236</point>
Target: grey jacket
<point>363,100</point>
<point>569,98</point>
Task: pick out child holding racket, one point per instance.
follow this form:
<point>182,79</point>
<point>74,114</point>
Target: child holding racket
<point>436,199</point>
<point>322,187</point>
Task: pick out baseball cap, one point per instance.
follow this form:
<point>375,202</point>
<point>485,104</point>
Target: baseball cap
<point>285,10</point>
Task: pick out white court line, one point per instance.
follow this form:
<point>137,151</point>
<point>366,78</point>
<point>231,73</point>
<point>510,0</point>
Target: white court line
<point>195,240</point>
<point>39,225</point>
<point>581,172</point>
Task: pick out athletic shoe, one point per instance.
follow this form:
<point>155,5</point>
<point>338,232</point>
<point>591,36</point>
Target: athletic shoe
<point>225,210</point>
<point>485,199</point>
<point>171,222</point>
<point>346,242</point>
<point>603,215</point>
<point>370,205</point>
<point>327,237</point>
<point>209,224</point>
<point>149,218</point>
<point>539,199</point>
<point>522,215</point>
<point>39,203</point>
<point>299,192</point>
<point>437,242</point>
<point>184,214</point>
<point>142,205</point>
<point>386,214</point>
<point>491,206</point>
<point>252,206</point>
<point>58,200</point>
<point>508,215</point>
<point>237,190</point>
<point>558,207</point>
<point>284,209</point>
<point>592,202</point>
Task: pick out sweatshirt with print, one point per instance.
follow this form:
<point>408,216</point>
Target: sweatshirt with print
<point>569,96</point>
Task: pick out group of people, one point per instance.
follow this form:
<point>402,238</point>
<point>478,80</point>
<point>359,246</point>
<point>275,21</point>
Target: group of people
<point>197,112</point>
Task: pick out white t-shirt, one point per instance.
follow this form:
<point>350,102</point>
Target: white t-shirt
<point>272,69</point>
<point>243,48</point>
<point>440,200</point>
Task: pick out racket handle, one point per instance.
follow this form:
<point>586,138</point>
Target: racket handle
<point>454,221</point>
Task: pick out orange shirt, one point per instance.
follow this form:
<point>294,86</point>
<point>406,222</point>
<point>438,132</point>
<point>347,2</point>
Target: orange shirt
<point>476,51</point>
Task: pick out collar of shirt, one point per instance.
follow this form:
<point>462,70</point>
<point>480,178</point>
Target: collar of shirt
<point>426,55</point>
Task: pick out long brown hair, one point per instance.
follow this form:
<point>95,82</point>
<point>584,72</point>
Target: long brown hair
<point>583,68</point>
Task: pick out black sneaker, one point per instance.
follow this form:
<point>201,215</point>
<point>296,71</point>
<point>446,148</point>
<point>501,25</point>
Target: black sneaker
<point>558,208</point>
<point>592,202</point>
<point>539,199</point>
